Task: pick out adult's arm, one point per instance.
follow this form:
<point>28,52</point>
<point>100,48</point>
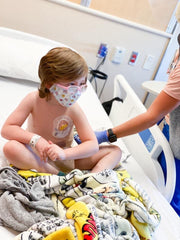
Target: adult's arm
<point>161,106</point>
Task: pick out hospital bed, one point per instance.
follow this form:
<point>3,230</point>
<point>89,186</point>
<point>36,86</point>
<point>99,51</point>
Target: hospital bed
<point>18,76</point>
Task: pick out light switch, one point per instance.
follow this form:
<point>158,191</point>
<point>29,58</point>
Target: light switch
<point>149,61</point>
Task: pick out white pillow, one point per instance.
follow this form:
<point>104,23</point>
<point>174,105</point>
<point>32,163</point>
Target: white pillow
<point>20,58</point>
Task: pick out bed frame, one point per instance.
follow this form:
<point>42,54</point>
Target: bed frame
<point>146,146</point>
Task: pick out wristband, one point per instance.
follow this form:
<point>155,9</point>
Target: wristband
<point>34,140</point>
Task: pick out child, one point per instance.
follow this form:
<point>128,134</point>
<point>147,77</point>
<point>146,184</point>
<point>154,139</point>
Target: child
<point>52,113</point>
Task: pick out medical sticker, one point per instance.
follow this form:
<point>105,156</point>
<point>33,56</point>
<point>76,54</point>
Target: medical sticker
<point>62,126</point>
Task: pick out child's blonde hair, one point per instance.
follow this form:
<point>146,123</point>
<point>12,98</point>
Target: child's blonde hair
<point>60,64</point>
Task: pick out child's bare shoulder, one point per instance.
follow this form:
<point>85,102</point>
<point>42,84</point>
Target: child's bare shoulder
<point>32,95</point>
<point>30,98</point>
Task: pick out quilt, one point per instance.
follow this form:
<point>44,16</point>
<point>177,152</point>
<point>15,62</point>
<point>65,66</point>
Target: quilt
<point>78,206</point>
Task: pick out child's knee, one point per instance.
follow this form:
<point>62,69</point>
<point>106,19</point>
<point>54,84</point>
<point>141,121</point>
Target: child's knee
<point>6,148</point>
<point>9,148</point>
<point>116,150</point>
<point>116,155</point>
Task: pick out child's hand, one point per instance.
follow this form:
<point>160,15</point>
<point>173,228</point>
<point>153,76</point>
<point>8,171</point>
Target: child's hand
<point>40,147</point>
<point>55,152</point>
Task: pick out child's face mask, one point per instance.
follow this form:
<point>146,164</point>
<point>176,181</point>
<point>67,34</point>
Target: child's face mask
<point>67,96</point>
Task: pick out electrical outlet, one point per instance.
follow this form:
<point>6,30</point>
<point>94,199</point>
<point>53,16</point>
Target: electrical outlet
<point>133,58</point>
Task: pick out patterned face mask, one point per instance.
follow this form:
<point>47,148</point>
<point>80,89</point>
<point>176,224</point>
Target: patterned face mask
<point>67,96</point>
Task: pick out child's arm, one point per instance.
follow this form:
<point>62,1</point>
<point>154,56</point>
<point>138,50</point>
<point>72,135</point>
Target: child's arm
<point>89,145</point>
<point>12,128</point>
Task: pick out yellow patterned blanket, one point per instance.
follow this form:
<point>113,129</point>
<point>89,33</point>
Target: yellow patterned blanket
<point>79,206</point>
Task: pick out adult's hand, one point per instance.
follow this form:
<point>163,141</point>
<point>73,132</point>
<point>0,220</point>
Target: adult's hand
<point>100,135</point>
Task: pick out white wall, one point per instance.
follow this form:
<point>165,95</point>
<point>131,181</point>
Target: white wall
<point>84,31</point>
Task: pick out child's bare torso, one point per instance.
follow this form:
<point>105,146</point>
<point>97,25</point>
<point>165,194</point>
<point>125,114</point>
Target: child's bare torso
<point>51,121</point>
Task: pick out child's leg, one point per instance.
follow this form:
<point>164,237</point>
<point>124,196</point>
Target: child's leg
<point>107,157</point>
<point>21,157</point>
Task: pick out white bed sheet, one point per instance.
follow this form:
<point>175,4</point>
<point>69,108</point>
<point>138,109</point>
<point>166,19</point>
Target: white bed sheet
<point>12,91</point>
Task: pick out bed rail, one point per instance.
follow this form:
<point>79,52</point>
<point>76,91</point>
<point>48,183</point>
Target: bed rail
<point>147,145</point>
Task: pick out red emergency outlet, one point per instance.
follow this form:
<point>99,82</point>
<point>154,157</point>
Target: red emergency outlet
<point>133,58</point>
